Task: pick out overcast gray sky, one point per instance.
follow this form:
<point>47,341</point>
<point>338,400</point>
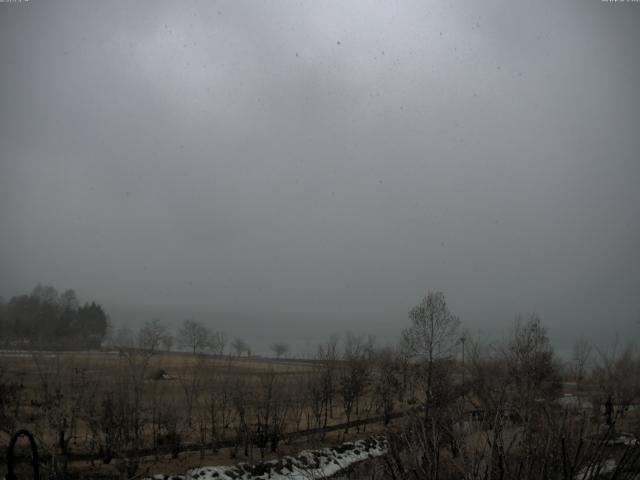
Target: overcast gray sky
<point>291,169</point>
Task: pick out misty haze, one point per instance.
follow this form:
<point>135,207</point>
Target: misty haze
<point>339,239</point>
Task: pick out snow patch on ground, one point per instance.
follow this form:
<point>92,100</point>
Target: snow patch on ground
<point>587,473</point>
<point>309,464</point>
<point>624,439</point>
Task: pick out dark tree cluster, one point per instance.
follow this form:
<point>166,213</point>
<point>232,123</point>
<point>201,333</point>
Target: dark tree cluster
<point>46,318</point>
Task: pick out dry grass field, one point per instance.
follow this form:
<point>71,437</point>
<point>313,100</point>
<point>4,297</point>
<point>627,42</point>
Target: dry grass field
<point>130,413</point>
<point>170,409</point>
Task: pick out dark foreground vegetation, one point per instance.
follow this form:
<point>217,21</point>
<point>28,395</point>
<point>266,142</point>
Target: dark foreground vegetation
<point>448,405</point>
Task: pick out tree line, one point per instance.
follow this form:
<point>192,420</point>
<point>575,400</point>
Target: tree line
<point>48,319</point>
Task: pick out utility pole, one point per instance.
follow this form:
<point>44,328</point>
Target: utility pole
<point>463,339</point>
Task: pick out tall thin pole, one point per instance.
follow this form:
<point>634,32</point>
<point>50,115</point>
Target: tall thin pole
<point>462,340</point>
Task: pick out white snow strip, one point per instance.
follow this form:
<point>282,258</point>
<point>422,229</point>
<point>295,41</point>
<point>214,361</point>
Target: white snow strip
<point>309,464</point>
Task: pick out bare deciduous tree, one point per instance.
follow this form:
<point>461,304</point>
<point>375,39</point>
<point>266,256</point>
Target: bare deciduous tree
<point>617,370</point>
<point>124,337</point>
<point>533,371</point>
<point>240,347</point>
<point>431,337</point>
<point>219,404</point>
<point>11,398</point>
<point>354,373</point>
<point>194,335</point>
<point>151,335</point>
<point>61,393</point>
<point>192,382</point>
<point>280,349</point>
<point>385,381</point>
<point>217,343</point>
<point>167,342</point>
<point>327,357</point>
<point>581,353</point>
<point>270,410</point>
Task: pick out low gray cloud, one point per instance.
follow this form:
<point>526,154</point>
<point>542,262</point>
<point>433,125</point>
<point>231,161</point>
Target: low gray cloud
<point>298,168</point>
